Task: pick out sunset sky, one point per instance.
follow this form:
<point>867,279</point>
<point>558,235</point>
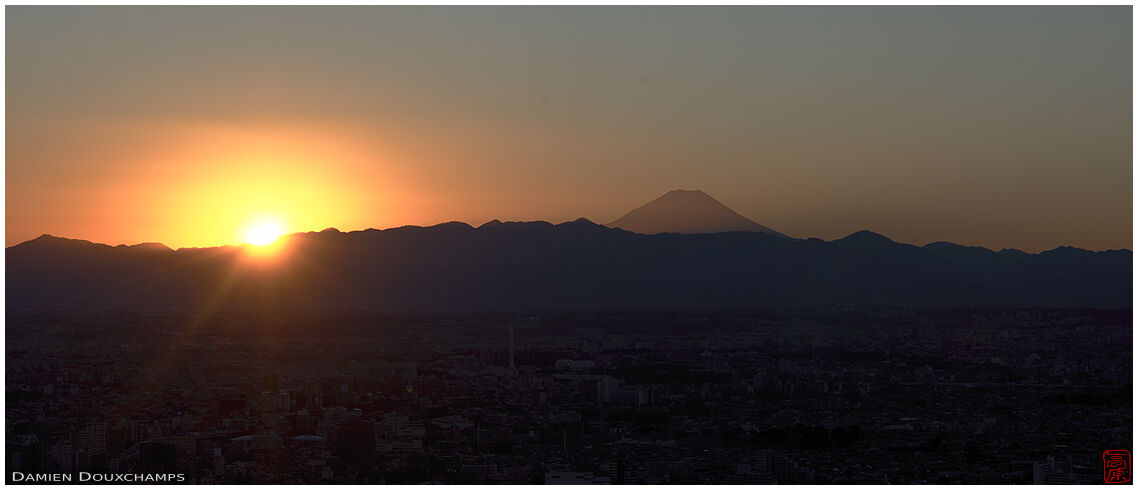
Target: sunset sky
<point>998,127</point>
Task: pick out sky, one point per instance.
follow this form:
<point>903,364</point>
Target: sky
<point>1002,127</point>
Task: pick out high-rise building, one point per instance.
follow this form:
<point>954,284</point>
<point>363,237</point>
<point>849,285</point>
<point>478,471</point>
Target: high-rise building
<point>511,347</point>
<point>355,442</point>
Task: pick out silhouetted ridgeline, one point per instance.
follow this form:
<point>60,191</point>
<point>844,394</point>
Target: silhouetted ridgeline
<point>537,265</point>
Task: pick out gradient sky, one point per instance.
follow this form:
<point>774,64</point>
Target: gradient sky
<point>1004,127</point>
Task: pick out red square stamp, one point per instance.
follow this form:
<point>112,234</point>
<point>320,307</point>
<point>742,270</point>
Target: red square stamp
<point>1116,466</point>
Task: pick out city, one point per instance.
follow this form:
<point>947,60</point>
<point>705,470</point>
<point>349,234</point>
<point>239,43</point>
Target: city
<point>836,395</point>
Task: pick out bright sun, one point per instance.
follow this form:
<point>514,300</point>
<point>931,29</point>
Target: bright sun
<point>263,233</point>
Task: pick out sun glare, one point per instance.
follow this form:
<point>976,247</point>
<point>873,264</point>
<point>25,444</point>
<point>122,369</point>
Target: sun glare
<point>263,233</point>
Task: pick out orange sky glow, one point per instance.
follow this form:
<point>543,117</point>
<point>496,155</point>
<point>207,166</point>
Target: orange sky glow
<point>996,127</point>
<point>192,186</point>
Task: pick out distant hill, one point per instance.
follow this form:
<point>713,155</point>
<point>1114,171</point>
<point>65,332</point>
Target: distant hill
<point>681,211</point>
<point>542,266</point>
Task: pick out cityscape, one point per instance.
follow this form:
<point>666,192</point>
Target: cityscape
<point>869,395</point>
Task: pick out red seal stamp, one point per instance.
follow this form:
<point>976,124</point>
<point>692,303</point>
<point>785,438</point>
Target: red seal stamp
<point>1116,466</point>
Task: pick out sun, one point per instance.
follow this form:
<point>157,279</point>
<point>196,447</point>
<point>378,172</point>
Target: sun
<point>263,233</point>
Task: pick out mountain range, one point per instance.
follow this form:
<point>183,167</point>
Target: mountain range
<point>542,266</point>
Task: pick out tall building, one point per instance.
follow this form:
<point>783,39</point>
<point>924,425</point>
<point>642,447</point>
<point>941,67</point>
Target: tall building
<point>511,347</point>
<point>355,442</point>
<point>1050,472</point>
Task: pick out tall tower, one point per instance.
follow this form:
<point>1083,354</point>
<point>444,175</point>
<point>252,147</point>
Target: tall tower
<point>511,346</point>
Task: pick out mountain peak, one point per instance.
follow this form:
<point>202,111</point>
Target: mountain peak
<point>867,236</point>
<point>150,246</point>
<point>47,240</point>
<point>682,192</point>
<point>581,222</point>
<point>493,222</point>
<point>866,240</point>
<point>687,211</point>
